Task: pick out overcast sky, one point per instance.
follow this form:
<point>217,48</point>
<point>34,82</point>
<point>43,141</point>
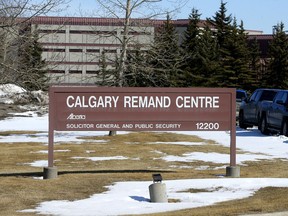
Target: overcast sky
<point>256,14</point>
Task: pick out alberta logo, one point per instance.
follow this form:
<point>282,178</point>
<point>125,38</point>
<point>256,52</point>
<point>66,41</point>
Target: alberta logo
<point>76,117</point>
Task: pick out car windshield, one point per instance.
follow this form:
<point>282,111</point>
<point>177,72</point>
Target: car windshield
<point>240,95</point>
<point>268,95</point>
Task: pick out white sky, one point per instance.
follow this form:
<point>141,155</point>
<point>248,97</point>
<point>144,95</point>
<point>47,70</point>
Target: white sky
<point>124,198</point>
<point>256,14</point>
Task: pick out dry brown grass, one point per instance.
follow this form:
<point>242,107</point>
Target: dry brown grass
<point>265,200</point>
<point>80,178</point>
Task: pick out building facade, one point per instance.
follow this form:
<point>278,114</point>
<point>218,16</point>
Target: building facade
<point>74,47</point>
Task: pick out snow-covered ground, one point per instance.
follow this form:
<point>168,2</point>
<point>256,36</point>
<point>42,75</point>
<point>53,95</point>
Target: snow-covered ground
<point>125,198</point>
<point>132,197</point>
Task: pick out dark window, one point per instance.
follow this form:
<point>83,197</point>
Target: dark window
<point>93,50</point>
<point>92,72</point>
<point>240,95</point>
<point>279,96</point>
<point>53,50</point>
<point>52,31</point>
<point>254,95</point>
<point>75,50</point>
<point>137,33</point>
<point>284,97</point>
<point>268,95</point>
<point>57,71</point>
<point>92,32</point>
<point>77,32</point>
<point>110,51</point>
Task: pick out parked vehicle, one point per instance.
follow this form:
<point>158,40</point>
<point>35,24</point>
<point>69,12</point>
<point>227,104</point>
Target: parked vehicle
<point>249,113</point>
<point>274,115</point>
<point>240,96</point>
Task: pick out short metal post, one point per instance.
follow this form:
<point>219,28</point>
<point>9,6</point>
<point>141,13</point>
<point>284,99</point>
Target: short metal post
<point>233,171</point>
<point>157,190</point>
<point>50,173</point>
<point>158,193</point>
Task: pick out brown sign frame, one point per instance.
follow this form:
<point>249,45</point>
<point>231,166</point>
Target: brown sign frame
<point>87,108</point>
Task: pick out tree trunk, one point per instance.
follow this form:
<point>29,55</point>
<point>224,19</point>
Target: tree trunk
<point>122,63</point>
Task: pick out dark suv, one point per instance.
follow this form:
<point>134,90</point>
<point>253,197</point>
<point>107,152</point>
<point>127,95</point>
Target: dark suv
<point>249,113</point>
<point>274,115</point>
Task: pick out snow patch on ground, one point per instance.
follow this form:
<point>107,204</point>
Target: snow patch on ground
<point>132,198</point>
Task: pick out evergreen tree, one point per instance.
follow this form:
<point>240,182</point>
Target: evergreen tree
<point>238,59</point>
<point>191,35</point>
<point>31,72</point>
<point>103,78</point>
<point>278,52</point>
<point>208,63</point>
<point>255,64</point>
<point>231,50</point>
<point>222,24</point>
<point>224,76</point>
<point>138,73</point>
<point>165,57</point>
<point>191,46</point>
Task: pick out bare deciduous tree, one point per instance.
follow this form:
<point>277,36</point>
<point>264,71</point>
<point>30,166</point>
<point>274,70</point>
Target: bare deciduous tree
<point>124,10</point>
<point>14,14</point>
<point>128,9</point>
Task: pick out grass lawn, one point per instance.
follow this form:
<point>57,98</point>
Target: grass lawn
<point>142,155</point>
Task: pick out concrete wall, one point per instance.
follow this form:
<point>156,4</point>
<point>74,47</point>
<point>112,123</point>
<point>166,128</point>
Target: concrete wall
<point>73,52</point>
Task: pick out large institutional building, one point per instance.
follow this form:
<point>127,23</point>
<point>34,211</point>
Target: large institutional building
<point>74,46</point>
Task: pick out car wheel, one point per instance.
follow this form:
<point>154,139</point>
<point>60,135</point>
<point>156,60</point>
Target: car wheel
<point>284,128</point>
<point>241,121</point>
<point>263,126</point>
